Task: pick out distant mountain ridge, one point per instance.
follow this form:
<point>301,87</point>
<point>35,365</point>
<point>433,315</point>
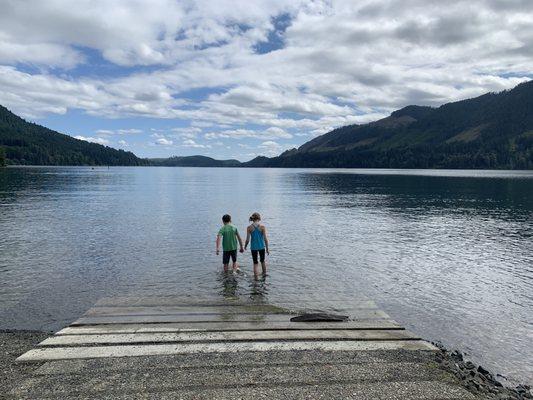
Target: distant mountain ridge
<point>26,143</point>
<point>494,130</point>
<point>193,161</point>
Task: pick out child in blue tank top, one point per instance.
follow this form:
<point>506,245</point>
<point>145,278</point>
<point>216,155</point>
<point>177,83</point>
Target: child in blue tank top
<point>256,233</point>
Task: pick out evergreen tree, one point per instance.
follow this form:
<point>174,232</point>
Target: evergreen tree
<point>31,144</point>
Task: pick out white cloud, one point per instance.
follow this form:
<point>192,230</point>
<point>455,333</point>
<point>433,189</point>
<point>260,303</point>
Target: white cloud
<point>123,143</point>
<point>270,133</point>
<point>164,142</point>
<point>342,62</point>
<point>187,132</point>
<point>98,140</point>
<point>271,148</point>
<point>192,143</point>
<point>104,132</point>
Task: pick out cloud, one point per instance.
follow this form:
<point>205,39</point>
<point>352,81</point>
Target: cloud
<point>193,144</point>
<point>164,142</point>
<point>269,133</point>
<point>186,132</point>
<point>106,132</point>
<point>270,148</point>
<point>123,143</point>
<point>229,69</point>
<point>98,140</point>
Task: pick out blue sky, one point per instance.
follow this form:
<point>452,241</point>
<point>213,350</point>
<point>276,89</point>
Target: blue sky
<point>238,79</point>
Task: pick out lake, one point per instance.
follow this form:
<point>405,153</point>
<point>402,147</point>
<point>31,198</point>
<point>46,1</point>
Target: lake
<point>449,254</point>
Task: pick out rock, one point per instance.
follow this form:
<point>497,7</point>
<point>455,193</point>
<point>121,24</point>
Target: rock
<point>470,365</point>
<point>482,370</point>
<point>456,355</point>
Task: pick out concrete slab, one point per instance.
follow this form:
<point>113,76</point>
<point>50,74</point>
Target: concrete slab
<point>225,326</point>
<point>243,359</point>
<point>191,300</point>
<point>206,308</point>
<point>207,317</point>
<point>63,353</point>
<point>128,338</point>
<point>178,310</point>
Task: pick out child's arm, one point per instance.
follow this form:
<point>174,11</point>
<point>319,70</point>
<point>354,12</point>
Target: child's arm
<point>266,240</point>
<point>218,244</point>
<point>247,238</point>
<point>240,242</point>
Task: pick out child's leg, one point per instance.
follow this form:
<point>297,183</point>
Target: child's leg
<point>263,262</point>
<point>225,260</point>
<point>234,259</point>
<point>256,263</point>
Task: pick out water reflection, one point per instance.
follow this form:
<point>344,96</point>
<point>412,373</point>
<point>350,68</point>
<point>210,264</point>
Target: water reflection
<point>258,291</point>
<point>230,285</point>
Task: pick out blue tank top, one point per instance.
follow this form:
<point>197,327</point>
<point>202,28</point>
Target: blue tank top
<point>258,241</point>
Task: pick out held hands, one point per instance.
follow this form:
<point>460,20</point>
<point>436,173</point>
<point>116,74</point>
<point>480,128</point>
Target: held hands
<point>218,252</point>
<point>241,250</point>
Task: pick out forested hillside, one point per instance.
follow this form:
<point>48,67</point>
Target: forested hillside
<point>193,161</point>
<point>491,131</point>
<point>2,157</point>
<point>31,144</point>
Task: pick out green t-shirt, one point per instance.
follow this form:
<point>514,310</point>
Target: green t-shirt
<point>229,237</point>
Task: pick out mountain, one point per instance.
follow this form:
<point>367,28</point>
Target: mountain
<point>490,131</point>
<point>31,144</point>
<point>493,131</point>
<point>193,161</point>
<point>2,157</point>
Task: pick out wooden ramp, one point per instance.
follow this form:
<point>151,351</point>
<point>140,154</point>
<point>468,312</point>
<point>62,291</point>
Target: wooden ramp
<point>163,326</point>
<point>168,348</point>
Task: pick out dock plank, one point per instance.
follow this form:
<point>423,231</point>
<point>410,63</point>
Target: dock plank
<point>223,360</point>
<point>179,310</point>
<point>63,353</point>
<point>226,326</point>
<point>209,308</point>
<point>264,335</point>
<point>216,301</point>
<point>207,317</point>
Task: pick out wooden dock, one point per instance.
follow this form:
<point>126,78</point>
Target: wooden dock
<point>170,347</point>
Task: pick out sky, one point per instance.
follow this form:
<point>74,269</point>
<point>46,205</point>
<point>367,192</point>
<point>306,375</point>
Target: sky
<point>242,78</point>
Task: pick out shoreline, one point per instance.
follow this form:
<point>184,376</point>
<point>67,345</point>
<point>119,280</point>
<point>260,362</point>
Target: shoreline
<point>474,378</point>
<point>13,343</point>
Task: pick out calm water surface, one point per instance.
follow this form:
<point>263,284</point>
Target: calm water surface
<point>447,253</point>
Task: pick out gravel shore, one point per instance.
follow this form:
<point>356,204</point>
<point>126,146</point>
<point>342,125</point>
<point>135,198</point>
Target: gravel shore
<point>12,345</point>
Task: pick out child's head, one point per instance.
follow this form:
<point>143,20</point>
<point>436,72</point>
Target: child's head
<point>255,217</point>
<point>226,218</point>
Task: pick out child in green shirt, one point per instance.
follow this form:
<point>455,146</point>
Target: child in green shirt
<point>229,235</point>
